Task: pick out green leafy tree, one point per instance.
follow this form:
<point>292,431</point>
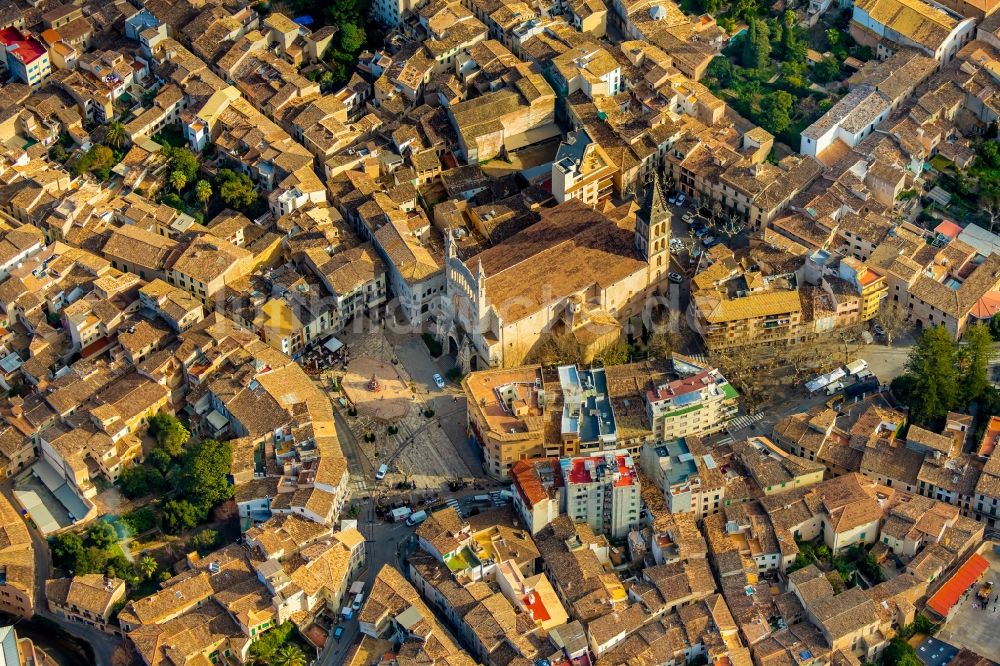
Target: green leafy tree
<point>777,110</point>
<point>102,535</point>
<point>169,432</point>
<point>66,549</point>
<point>933,367</point>
<point>91,560</point>
<point>787,32</point>
<point>204,477</point>
<point>900,653</point>
<point>57,153</point>
<point>974,357</point>
<point>995,326</point>
<point>826,70</point>
<point>183,160</point>
<point>352,38</point>
<point>289,655</point>
<point>115,135</point>
<point>747,9</point>
<point>148,567</point>
<point>265,646</point>
<point>832,38</point>
<point>616,354</point>
<point>171,199</point>
<point>97,161</point>
<point>119,567</point>
<point>754,53</point>
<point>203,192</point>
<point>162,461</point>
<point>236,189</point>
<point>177,180</point>
<point>179,516</point>
<point>206,539</point>
<point>721,69</point>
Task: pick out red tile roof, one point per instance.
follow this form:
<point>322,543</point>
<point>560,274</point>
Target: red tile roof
<point>949,594</point>
<point>989,440</point>
<point>949,229</point>
<point>987,306</point>
<point>527,481</point>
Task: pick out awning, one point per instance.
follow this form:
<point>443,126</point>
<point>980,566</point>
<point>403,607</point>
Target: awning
<point>332,345</point>
<point>966,576</point>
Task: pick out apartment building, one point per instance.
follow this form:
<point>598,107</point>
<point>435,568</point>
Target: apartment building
<point>506,417</point>
<point>603,491</point>
<point>26,57</point>
<point>582,170</point>
<point>954,290</point>
<point>767,317</point>
<point>700,404</point>
<point>688,477</point>
<point>539,496</point>
<point>870,285</point>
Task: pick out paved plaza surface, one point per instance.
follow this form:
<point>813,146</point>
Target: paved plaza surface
<point>377,389</point>
<point>976,628</point>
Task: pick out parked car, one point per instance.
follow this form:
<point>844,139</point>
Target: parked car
<point>672,199</point>
<point>709,241</point>
<point>382,471</point>
<point>438,380</point>
<point>701,232</point>
<point>338,633</point>
<point>688,218</point>
<point>676,278</point>
<point>681,199</point>
<point>879,330</point>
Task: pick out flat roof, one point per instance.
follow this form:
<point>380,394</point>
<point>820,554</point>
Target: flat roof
<point>25,47</point>
<point>591,469</point>
<point>682,465</point>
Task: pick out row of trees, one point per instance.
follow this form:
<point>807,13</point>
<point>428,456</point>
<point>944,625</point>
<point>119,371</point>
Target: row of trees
<point>942,375</point>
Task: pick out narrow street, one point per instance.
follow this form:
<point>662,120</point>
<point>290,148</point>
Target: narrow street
<point>383,542</point>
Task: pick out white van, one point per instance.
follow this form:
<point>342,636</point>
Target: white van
<point>416,518</point>
<point>382,471</point>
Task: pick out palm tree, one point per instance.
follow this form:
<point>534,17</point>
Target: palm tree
<point>148,566</point>
<point>289,655</point>
<point>178,180</point>
<point>115,135</point>
<point>203,192</point>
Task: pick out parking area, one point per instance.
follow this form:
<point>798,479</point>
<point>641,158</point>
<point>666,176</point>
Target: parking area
<point>974,624</point>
